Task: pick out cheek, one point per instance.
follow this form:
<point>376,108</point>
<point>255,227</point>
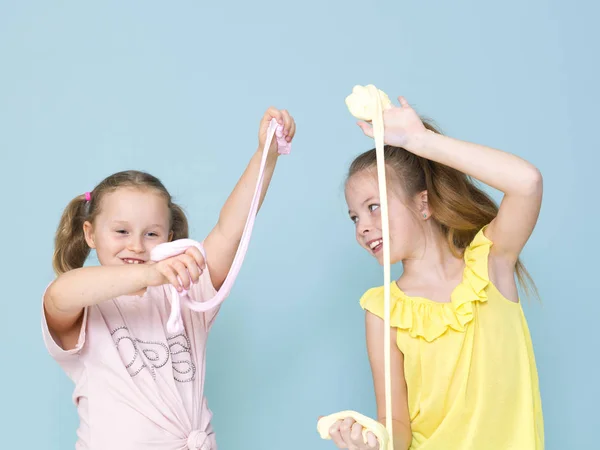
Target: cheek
<point>358,237</point>
<point>105,250</point>
<point>403,227</point>
<point>356,233</point>
<point>107,242</point>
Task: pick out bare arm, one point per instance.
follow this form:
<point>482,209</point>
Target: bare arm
<point>401,418</point>
<point>520,181</point>
<point>222,243</point>
<point>72,291</point>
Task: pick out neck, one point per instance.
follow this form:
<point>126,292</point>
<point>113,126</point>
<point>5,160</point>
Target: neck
<point>432,262</point>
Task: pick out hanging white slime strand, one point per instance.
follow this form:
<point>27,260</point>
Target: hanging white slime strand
<point>368,103</point>
<point>375,98</point>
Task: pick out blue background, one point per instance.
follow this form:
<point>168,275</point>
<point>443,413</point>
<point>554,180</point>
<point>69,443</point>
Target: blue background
<point>178,88</point>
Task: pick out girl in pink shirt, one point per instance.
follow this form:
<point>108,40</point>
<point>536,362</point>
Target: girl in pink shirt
<point>137,386</point>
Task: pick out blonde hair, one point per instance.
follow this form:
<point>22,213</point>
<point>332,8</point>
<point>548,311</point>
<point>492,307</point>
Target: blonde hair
<point>71,249</point>
<point>458,206</point>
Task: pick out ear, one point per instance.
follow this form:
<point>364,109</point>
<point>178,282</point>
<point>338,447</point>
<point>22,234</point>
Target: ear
<point>171,235</point>
<point>88,232</point>
<point>423,205</point>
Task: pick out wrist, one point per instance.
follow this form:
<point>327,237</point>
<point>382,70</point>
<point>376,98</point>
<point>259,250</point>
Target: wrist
<point>419,143</point>
<point>149,276</point>
<point>272,153</point>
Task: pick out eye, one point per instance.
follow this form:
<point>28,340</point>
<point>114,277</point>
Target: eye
<point>121,231</point>
<point>152,234</point>
<point>373,207</point>
<point>353,219</point>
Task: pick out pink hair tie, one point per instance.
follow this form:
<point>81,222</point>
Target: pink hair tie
<point>88,196</point>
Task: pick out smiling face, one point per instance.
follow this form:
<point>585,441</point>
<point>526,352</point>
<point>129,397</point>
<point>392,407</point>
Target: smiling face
<point>362,197</point>
<point>130,223</point>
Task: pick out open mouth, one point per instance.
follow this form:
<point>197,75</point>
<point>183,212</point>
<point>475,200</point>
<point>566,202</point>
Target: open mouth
<point>376,245</point>
<point>132,261</point>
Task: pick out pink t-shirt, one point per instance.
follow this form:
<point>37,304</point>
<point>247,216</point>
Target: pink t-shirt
<point>137,386</point>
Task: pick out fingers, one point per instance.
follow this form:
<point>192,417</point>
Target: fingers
<point>292,131</point>
<point>274,113</point>
<point>191,268</point>
<point>195,253</point>
<point>284,119</point>
<point>403,102</point>
<point>336,437</point>
<point>182,273</point>
<point>287,122</point>
<point>345,430</point>
<point>356,437</point>
<point>348,434</point>
<point>182,270</point>
<point>366,128</point>
<point>289,126</point>
<point>171,275</point>
<point>372,442</point>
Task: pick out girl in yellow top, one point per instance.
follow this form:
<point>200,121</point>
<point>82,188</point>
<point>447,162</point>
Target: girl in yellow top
<point>463,370</point>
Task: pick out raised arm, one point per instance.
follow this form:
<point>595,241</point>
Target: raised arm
<point>517,179</point>
<point>222,242</point>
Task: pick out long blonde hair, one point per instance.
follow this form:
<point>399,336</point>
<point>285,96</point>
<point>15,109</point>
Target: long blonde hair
<point>70,247</point>
<point>458,206</point>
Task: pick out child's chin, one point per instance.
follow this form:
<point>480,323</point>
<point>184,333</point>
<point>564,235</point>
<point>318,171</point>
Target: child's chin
<point>379,258</point>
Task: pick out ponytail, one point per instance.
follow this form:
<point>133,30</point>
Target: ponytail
<point>179,223</point>
<point>458,206</point>
<point>70,247</point>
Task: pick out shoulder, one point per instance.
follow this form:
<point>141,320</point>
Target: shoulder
<point>373,300</point>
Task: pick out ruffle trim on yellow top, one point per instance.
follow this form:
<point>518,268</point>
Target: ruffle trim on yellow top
<point>428,319</point>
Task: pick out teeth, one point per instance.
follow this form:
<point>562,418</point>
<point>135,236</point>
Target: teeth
<point>132,261</point>
<point>376,243</point>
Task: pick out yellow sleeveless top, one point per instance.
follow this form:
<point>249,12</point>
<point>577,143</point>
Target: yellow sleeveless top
<point>469,364</point>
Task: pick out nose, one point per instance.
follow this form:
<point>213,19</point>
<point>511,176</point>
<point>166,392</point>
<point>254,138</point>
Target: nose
<point>198,440</point>
<point>136,244</point>
<point>364,226</point>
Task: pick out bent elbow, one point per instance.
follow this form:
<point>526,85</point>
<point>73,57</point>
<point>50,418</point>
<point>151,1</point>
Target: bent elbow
<point>533,182</point>
<point>54,300</point>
